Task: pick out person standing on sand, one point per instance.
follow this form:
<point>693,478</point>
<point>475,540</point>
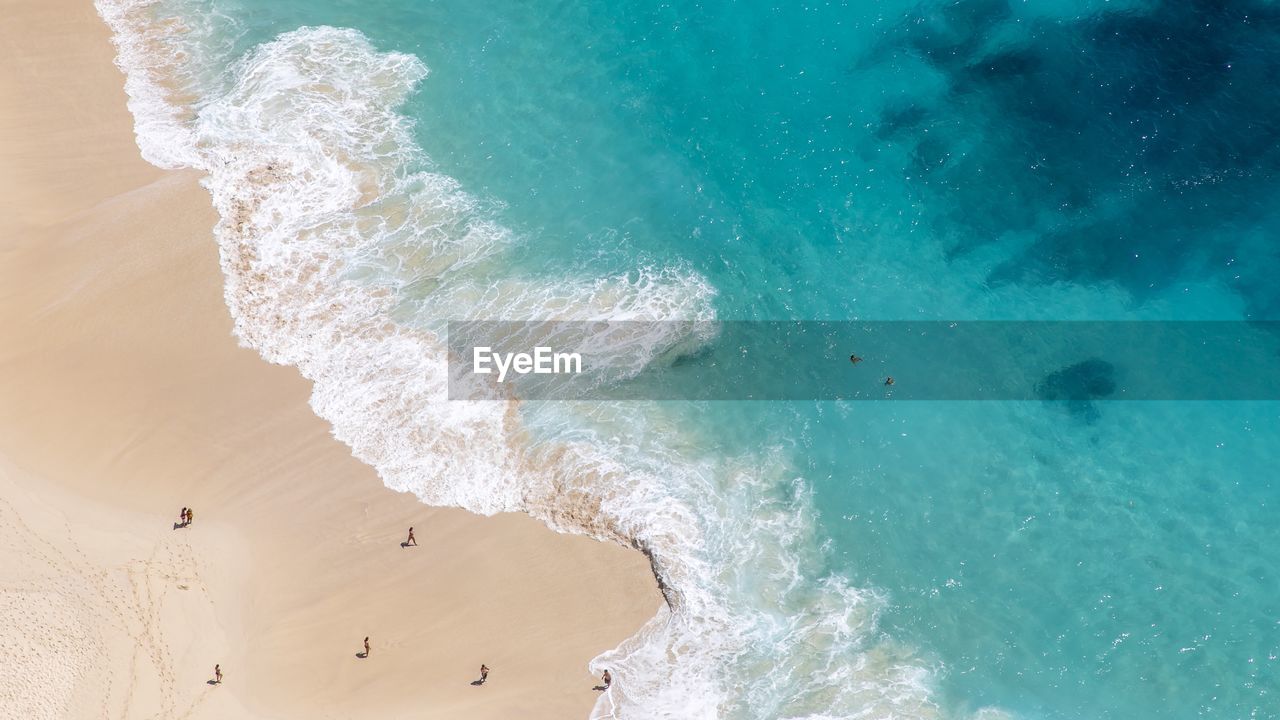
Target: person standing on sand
<point>607,679</point>
<point>412,540</point>
<point>190,516</point>
<point>484,673</point>
<point>182,518</point>
<point>366,647</point>
<point>217,674</point>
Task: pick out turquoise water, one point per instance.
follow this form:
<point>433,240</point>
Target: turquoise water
<point>906,161</point>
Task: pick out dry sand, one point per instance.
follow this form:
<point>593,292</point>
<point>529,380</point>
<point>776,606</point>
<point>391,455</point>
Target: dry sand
<point>123,397</point>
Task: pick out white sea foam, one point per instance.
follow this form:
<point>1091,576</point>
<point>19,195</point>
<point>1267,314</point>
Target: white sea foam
<point>342,254</point>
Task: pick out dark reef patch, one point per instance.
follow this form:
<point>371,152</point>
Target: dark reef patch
<point>1078,386</point>
<point>1139,147</point>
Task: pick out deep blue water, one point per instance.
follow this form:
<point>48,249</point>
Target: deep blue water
<point>979,159</point>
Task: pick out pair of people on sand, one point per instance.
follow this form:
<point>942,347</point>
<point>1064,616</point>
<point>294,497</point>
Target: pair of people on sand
<point>607,679</point>
<point>185,517</point>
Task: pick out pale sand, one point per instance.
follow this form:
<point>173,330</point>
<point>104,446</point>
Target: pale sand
<point>123,397</point>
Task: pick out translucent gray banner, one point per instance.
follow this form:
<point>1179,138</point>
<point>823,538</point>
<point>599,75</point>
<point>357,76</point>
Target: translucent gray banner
<point>1071,362</point>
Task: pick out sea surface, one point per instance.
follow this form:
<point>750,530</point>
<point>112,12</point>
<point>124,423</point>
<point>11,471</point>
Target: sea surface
<point>384,166</point>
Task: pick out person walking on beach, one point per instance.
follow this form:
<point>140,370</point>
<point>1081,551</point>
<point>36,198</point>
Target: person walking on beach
<point>217,674</point>
<point>607,679</point>
<point>182,518</point>
<point>412,540</point>
<point>366,647</point>
<point>484,673</point>
<point>190,516</point>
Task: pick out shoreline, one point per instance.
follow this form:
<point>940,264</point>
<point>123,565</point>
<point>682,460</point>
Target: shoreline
<point>124,396</point>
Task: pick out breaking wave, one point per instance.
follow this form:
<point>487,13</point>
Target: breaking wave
<point>344,254</point>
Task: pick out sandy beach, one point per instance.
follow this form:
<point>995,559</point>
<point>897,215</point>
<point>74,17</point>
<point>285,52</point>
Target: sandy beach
<point>124,397</point>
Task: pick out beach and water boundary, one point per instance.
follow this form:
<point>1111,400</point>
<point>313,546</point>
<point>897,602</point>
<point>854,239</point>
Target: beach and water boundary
<point>124,396</point>
<point>344,252</point>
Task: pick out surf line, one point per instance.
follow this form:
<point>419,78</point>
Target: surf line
<point>542,361</point>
